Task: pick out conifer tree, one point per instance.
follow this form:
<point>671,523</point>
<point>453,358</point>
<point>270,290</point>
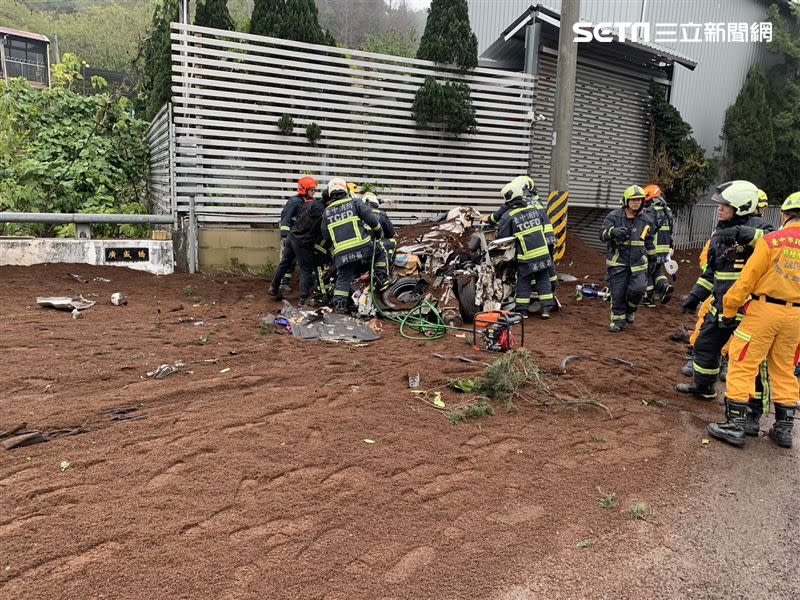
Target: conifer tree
<point>155,60</point>
<point>214,13</point>
<point>748,130</point>
<point>448,36</point>
<point>289,20</point>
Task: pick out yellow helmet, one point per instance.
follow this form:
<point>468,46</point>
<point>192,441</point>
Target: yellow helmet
<point>352,188</point>
<point>527,182</point>
<point>514,189</point>
<point>371,199</point>
<point>792,202</point>
<point>762,198</point>
<point>741,195</point>
<point>632,193</point>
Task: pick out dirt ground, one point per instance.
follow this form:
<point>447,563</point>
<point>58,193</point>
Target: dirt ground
<point>249,477</point>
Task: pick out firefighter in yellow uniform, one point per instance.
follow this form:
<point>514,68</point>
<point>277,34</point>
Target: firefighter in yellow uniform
<point>770,330</point>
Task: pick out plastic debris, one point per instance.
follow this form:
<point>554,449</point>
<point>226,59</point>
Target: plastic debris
<point>64,302</point>
<point>413,381</point>
<point>76,314</point>
<point>166,370</point>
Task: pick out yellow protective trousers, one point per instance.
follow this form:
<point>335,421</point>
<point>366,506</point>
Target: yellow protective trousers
<point>772,332</point>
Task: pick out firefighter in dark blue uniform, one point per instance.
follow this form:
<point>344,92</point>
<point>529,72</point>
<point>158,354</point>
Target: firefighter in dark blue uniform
<point>629,238</point>
<point>524,222</point>
<point>388,240</point>
<point>731,244</point>
<point>655,206</point>
<point>306,188</point>
<point>350,229</point>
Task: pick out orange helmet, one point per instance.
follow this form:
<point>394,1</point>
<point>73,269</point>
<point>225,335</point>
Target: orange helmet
<point>305,184</point>
<point>652,191</point>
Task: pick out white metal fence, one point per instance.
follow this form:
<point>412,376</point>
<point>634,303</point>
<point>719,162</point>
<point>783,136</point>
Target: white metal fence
<point>160,138</point>
<point>694,224</point>
<point>230,89</point>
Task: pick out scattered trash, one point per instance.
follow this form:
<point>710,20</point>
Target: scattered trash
<point>471,361</point>
<point>567,278</point>
<point>78,278</point>
<point>375,325</point>
<point>64,465</point>
<point>440,356</point>
<point>23,439</point>
<point>119,299</point>
<point>206,361</point>
<point>166,370</point>
<point>413,381</point>
<point>594,357</point>
<point>705,441</point>
<point>177,308</point>
<point>368,441</point>
<point>225,370</point>
<point>323,324</point>
<point>198,324</point>
<point>65,302</point>
<point>125,413</point>
<point>101,280</point>
<point>585,544</point>
<point>76,314</point>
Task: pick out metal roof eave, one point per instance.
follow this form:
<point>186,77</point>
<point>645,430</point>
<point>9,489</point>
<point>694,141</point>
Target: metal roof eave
<point>537,12</point>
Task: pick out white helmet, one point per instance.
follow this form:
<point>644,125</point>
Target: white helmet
<point>514,189</point>
<point>371,199</point>
<point>337,183</point>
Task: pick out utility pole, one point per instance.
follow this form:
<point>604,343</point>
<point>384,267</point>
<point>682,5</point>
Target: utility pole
<point>562,123</point>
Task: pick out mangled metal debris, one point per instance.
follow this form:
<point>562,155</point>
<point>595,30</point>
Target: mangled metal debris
<point>65,302</point>
<point>323,324</point>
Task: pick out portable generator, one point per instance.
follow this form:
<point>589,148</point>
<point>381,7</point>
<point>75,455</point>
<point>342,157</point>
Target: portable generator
<point>496,328</point>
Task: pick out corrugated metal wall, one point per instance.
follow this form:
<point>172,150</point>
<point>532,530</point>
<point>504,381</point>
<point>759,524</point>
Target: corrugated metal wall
<point>702,96</point>
<point>160,138</point>
<point>609,136</point>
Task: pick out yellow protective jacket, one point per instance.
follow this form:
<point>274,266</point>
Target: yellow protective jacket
<point>772,271</point>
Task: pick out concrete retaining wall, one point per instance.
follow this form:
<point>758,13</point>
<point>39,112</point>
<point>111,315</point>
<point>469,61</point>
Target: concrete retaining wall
<point>153,256</point>
<point>253,248</point>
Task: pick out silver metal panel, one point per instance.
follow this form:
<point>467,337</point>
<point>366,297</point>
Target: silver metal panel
<point>609,137</point>
<point>702,96</point>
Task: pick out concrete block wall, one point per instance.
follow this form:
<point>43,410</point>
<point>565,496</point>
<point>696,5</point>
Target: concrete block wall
<point>254,248</point>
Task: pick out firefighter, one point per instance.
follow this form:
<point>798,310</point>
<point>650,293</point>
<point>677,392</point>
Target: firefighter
<point>770,330</point>
<point>629,237</point>
<point>763,202</point>
<point>350,228</point>
<point>388,240</point>
<point>732,242</point>
<point>523,221</point>
<point>306,188</point>
<point>306,242</point>
<point>532,198</point>
<point>661,219</point>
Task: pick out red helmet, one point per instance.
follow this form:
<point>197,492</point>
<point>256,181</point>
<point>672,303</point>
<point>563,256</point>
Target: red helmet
<point>652,191</point>
<point>305,184</point>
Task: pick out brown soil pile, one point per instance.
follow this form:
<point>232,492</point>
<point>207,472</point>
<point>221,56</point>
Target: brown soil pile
<point>250,477</point>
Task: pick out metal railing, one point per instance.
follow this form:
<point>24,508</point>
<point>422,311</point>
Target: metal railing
<point>32,71</point>
<point>694,224</point>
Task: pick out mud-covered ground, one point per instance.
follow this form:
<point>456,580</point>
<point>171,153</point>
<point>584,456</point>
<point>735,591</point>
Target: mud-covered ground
<point>249,477</point>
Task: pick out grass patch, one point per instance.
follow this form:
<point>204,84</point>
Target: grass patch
<point>189,291</point>
<point>585,544</point>
<point>599,439</point>
<point>137,356</point>
<point>607,499</point>
<point>204,339</point>
<point>238,269</point>
<point>639,510</point>
<point>462,413</point>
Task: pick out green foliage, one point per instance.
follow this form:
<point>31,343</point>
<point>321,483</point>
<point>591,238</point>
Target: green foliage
<point>607,499</point>
<point>214,13</point>
<point>154,63</point>
<point>103,33</point>
<point>313,133</point>
<point>462,413</point>
<point>286,124</point>
<point>448,106</point>
<point>65,152</point>
<point>639,510</point>
<point>392,43</point>
<point>678,163</point>
<point>448,37</point>
<point>762,127</point>
<point>748,130</point>
<point>290,20</point>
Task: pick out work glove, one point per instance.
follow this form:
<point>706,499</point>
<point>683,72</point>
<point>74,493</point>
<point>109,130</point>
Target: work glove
<point>729,323</point>
<point>620,233</point>
<point>485,218</point>
<point>728,236</point>
<point>690,304</point>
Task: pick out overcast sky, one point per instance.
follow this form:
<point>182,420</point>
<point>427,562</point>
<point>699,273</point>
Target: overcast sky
<point>418,4</point>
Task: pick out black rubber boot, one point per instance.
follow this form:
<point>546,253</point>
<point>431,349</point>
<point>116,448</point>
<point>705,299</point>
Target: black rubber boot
<point>781,432</point>
<point>630,318</point>
<point>275,294</point>
<point>687,370</point>
<point>544,313</point>
<point>617,327</point>
<point>667,295</point>
<point>706,393</point>
<point>723,369</point>
<point>753,424</point>
<point>732,430</point>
